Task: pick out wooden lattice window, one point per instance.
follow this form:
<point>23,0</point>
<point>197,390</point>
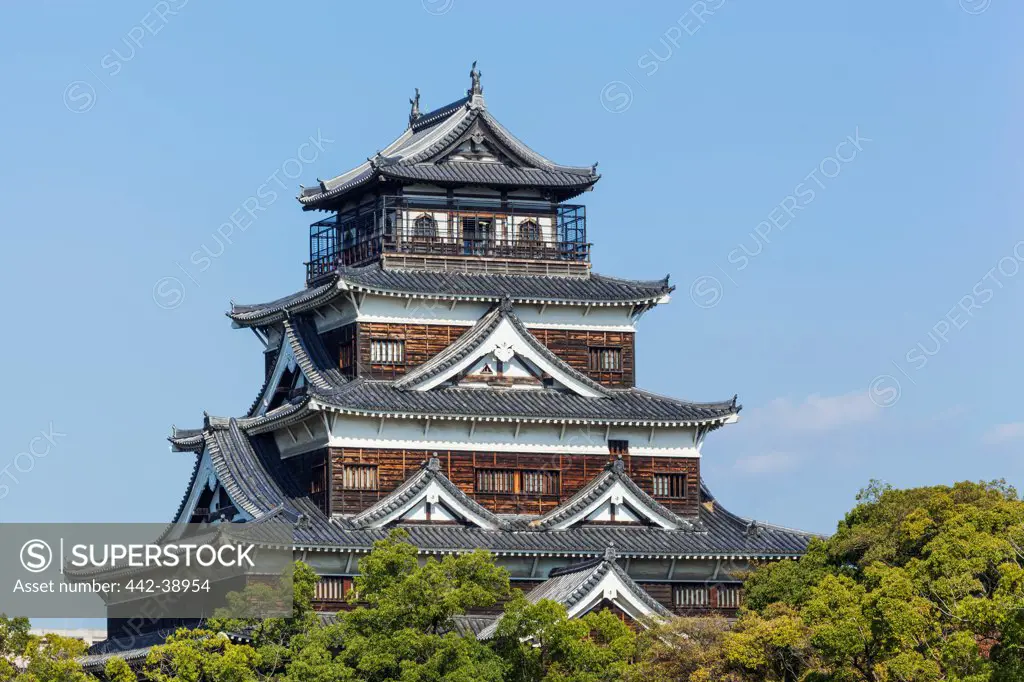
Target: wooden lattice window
<point>729,596</point>
<point>359,476</point>
<point>670,485</point>
<point>691,596</point>
<point>496,480</point>
<point>387,351</point>
<point>605,359</point>
<point>332,588</point>
<point>540,482</point>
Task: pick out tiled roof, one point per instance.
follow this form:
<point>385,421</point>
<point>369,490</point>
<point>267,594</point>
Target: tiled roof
<point>312,358</point>
<point>594,289</point>
<point>625,406</point>
<point>417,155</point>
<point>244,476</point>
<point>274,311</point>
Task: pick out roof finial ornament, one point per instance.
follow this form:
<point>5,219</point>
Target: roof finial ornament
<point>609,552</point>
<point>434,464</point>
<point>474,77</point>
<point>414,113</point>
<point>618,466</point>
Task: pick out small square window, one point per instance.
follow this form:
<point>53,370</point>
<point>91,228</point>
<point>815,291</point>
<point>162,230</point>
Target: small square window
<point>670,485</point>
<point>387,351</point>
<point>604,359</point>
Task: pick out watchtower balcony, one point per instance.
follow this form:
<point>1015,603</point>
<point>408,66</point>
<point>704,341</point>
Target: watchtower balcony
<point>464,235</point>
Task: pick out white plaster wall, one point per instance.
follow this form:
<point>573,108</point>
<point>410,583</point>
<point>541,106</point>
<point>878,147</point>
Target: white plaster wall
<point>365,432</point>
<point>426,311</point>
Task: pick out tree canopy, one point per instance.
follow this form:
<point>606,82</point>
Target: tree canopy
<point>917,585</point>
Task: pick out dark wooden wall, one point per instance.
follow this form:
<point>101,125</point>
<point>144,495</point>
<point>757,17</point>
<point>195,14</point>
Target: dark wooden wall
<point>422,342</point>
<point>395,465</point>
<point>351,344</point>
<point>332,594</point>
<point>574,347</point>
<point>311,470</point>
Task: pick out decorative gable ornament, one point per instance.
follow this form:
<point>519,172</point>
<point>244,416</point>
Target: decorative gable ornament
<point>504,351</point>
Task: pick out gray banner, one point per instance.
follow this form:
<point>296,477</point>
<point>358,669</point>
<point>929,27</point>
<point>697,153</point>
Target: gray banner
<point>140,570</point>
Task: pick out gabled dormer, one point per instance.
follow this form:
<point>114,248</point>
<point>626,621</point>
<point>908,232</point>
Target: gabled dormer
<point>612,498</point>
<point>454,188</point>
<point>499,351</point>
<point>428,497</point>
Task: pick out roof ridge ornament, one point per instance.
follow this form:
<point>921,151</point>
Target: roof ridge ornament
<point>474,76</point>
<point>414,113</point>
<point>434,464</point>
<point>618,466</point>
<point>609,552</point>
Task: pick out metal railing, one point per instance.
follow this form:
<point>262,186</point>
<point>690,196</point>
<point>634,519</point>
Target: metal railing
<point>433,226</point>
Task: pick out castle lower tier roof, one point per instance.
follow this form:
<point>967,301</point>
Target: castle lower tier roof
<point>594,289</point>
<point>250,466</point>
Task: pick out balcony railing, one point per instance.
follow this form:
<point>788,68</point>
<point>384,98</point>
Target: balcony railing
<point>428,226</point>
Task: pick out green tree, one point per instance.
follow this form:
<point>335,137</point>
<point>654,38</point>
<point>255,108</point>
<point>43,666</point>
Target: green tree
<point>540,642</point>
<point>403,620</point>
<point>30,658</point>
<point>920,584</point>
<point>202,656</point>
<point>117,670</point>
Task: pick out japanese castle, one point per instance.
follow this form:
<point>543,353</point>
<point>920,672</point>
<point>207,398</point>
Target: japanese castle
<point>454,367</point>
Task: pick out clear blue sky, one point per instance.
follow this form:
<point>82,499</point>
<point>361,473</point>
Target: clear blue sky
<point>122,158</point>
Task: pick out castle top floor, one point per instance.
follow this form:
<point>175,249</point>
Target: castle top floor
<point>456,191</point>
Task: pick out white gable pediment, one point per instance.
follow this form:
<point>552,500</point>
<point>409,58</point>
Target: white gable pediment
<point>613,589</point>
<point>617,504</point>
<point>511,356</point>
<point>432,503</point>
